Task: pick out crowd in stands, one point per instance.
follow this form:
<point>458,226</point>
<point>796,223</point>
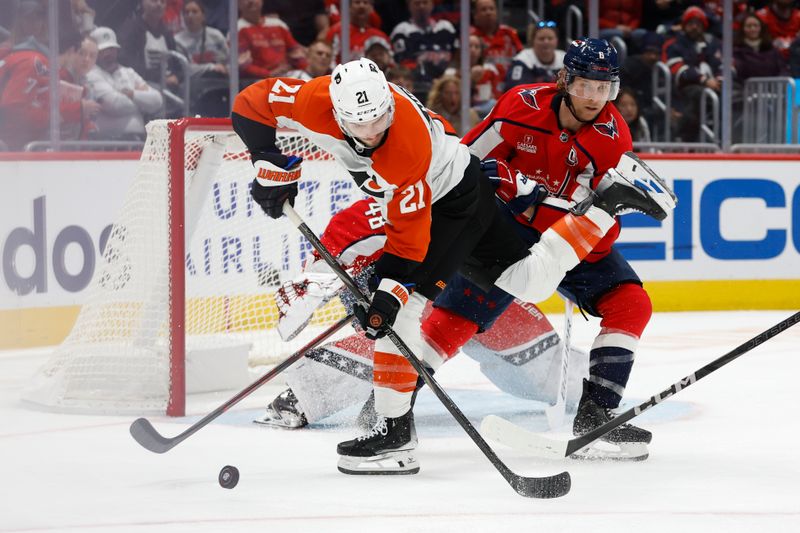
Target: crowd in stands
<point>124,62</point>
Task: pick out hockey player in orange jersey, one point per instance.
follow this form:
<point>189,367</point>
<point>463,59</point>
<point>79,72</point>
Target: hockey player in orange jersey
<point>439,210</point>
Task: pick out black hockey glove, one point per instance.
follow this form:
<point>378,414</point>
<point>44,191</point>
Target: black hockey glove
<point>387,301</point>
<point>517,190</point>
<point>275,183</point>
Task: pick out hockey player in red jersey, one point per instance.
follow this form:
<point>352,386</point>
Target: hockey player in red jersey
<point>566,136</point>
<point>439,209</point>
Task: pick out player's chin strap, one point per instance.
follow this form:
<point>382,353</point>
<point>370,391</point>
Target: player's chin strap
<point>571,107</point>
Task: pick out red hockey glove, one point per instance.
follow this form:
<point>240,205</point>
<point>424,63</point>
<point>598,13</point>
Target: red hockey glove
<point>276,183</point>
<point>514,188</point>
<point>387,301</point>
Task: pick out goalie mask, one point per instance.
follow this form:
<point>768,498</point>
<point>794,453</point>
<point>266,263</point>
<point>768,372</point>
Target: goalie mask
<point>363,104</point>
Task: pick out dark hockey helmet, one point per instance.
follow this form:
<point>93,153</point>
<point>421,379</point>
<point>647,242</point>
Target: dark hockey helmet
<point>594,59</point>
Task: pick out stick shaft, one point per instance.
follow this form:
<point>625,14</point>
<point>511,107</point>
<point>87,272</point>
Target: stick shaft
<point>144,433</point>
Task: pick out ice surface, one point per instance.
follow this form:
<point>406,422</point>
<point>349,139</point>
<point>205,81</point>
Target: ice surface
<point>723,458</point>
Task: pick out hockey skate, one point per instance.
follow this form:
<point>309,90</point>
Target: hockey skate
<point>630,186</point>
<point>368,416</point>
<point>387,449</point>
<point>624,443</point>
<point>284,412</point>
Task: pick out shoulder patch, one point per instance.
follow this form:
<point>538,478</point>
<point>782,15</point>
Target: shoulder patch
<point>529,97</point>
<point>609,129</point>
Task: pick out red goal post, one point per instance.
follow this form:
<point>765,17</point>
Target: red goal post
<point>188,275</point>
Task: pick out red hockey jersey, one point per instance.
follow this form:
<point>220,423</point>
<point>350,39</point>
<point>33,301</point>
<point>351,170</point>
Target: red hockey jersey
<point>523,130</point>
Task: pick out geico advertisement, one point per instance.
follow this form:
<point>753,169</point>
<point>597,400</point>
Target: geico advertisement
<point>736,219</point>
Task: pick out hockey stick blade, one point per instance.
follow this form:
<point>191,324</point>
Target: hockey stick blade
<point>149,438</point>
<point>516,437</point>
<point>542,487</point>
<point>531,487</point>
<point>145,434</point>
<point>509,434</point>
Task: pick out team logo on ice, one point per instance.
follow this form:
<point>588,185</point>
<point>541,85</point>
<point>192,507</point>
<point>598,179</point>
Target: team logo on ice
<point>609,129</point>
<point>529,97</point>
<point>526,144</point>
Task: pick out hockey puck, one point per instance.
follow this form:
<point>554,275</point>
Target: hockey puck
<point>228,477</point>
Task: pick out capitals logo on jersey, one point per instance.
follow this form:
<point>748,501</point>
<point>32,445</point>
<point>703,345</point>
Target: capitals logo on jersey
<point>529,97</point>
<point>572,157</point>
<point>609,129</point>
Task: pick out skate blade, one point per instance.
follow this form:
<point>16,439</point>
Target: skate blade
<point>281,422</point>
<point>390,463</point>
<point>612,451</point>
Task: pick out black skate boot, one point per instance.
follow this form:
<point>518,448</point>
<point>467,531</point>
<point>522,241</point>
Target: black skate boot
<point>387,448</point>
<point>630,186</point>
<point>628,442</point>
<point>284,412</point>
<point>367,417</point>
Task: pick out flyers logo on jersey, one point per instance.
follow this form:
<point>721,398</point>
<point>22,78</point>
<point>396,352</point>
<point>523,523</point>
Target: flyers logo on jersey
<point>529,97</point>
<point>609,129</point>
<point>371,187</point>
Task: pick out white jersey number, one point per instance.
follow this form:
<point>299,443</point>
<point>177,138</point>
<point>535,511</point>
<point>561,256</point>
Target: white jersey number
<point>413,198</point>
<point>281,87</point>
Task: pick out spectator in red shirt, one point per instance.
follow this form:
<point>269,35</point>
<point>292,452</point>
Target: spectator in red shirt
<point>502,42</point>
<point>621,18</point>
<point>783,21</point>
<point>25,91</point>
<point>360,30</point>
<point>266,45</point>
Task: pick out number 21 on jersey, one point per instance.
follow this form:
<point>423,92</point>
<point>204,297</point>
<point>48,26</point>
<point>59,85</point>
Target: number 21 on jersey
<point>413,198</point>
<point>283,92</point>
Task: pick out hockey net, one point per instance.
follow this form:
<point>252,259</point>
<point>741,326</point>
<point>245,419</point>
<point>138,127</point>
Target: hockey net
<point>192,263</point>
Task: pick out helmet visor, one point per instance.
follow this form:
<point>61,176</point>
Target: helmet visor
<point>593,89</point>
<point>368,130</point>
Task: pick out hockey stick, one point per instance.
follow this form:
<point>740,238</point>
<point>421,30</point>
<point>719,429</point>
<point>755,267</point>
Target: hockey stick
<point>145,434</point>
<point>555,412</point>
<point>531,487</point>
<point>512,435</point>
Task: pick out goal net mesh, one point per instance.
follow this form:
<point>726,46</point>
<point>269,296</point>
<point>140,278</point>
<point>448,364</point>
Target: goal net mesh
<point>117,356</point>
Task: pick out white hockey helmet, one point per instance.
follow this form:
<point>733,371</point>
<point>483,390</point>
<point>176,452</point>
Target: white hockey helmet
<point>363,104</point>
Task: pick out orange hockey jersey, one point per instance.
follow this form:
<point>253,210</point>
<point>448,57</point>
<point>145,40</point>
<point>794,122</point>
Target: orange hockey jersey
<point>419,160</point>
